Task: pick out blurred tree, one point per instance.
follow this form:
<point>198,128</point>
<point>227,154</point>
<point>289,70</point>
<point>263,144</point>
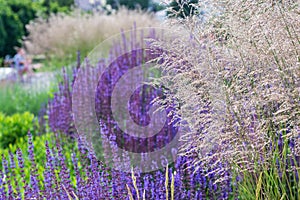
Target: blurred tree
<point>65,3</point>
<point>55,6</point>
<point>130,4</point>
<point>3,34</point>
<point>11,29</point>
<point>26,10</point>
<point>182,8</point>
<point>15,14</point>
<point>155,6</point>
<point>46,4</point>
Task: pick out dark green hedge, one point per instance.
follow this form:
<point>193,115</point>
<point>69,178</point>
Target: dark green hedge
<point>16,14</point>
<point>132,4</point>
<point>11,29</point>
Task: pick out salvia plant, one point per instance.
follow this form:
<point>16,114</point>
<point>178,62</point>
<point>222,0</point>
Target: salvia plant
<point>95,181</point>
<point>152,185</point>
<point>233,81</point>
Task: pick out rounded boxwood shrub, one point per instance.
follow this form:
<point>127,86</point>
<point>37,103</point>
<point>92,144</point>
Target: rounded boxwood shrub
<point>16,126</point>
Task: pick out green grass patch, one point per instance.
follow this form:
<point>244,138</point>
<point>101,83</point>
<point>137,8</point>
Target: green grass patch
<point>16,98</point>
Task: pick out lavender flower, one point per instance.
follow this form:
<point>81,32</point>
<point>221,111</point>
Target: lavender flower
<point>99,182</point>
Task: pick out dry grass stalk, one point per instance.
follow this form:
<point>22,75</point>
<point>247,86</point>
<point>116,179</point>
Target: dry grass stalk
<point>237,80</point>
<point>62,35</point>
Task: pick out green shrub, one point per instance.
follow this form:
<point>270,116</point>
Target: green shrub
<point>56,6</point>
<point>15,127</point>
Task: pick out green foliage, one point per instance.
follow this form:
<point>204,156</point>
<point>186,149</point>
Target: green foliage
<point>16,98</point>
<point>11,29</point>
<point>22,144</point>
<point>55,63</point>
<point>40,154</point>
<point>55,6</point>
<point>182,8</point>
<point>15,127</point>
<point>155,7</point>
<point>26,10</point>
<point>274,179</point>
<point>3,34</point>
<point>16,14</point>
<point>115,4</point>
<point>65,3</point>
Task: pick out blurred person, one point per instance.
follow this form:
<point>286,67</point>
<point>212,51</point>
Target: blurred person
<point>22,63</point>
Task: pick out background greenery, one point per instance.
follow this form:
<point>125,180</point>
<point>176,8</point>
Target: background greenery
<point>143,4</point>
<point>15,127</point>
<point>16,14</point>
<point>15,98</point>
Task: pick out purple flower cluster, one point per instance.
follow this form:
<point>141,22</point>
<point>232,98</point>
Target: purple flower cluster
<point>95,181</point>
<point>60,107</point>
<point>123,56</point>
